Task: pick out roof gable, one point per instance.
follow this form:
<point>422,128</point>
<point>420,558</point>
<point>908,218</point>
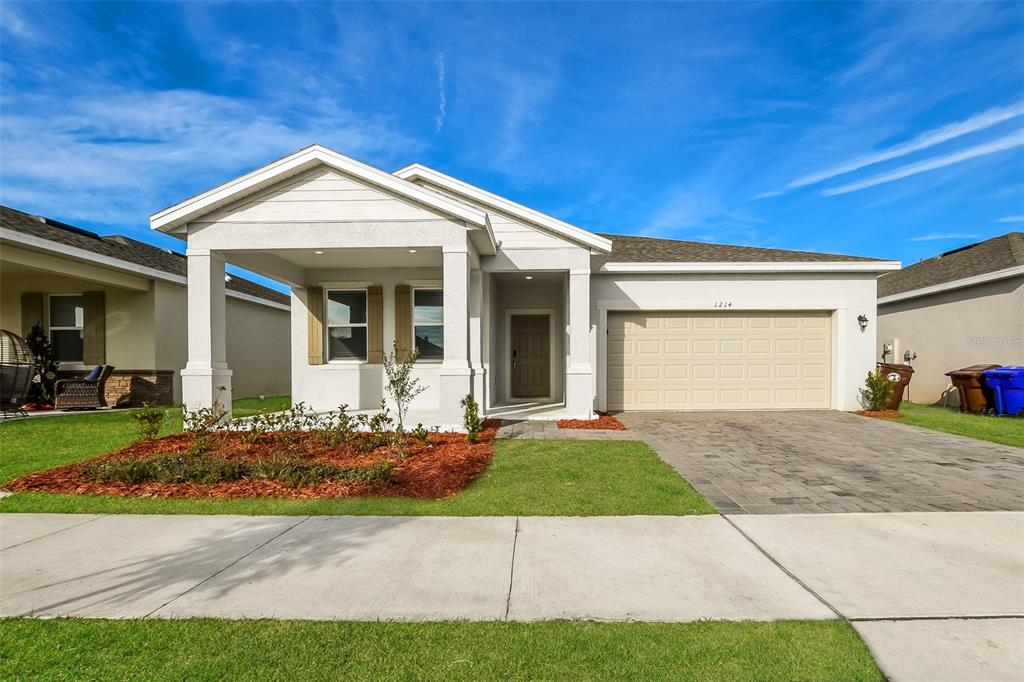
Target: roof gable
<point>992,255</point>
<point>534,219</point>
<point>232,192</point>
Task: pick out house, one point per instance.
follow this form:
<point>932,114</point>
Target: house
<point>532,315</point>
<point>961,308</point>
<point>114,300</point>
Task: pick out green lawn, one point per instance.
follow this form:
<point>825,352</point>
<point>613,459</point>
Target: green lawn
<point>527,478</point>
<point>45,442</point>
<point>1005,430</point>
<point>290,650</point>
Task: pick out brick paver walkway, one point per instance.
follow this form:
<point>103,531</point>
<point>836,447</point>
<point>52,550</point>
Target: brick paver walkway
<point>824,461</point>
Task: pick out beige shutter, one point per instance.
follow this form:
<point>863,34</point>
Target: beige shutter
<point>315,333</point>
<point>31,311</point>
<point>403,320</point>
<point>375,325</point>
<point>94,336</point>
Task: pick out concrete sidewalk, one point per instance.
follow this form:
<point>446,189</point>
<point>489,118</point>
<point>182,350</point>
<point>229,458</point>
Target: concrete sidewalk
<point>934,595</point>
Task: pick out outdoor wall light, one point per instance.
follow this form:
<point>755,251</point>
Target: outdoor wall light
<point>862,320</point>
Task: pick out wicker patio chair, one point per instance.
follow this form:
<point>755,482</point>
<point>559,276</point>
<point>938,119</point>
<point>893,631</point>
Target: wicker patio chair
<point>82,394</point>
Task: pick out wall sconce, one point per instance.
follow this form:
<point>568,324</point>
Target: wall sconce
<point>862,320</point>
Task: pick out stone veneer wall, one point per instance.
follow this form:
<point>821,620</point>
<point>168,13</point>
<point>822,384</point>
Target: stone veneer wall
<point>132,387</point>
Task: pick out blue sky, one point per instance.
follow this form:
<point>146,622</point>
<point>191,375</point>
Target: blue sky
<point>890,130</point>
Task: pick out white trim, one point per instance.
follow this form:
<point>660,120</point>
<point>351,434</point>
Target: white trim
<point>75,253</point>
<point>750,266</point>
<point>345,285</point>
<point>187,211</point>
<point>417,171</point>
<point>425,283</point>
<point>509,313</point>
<point>1017,270</point>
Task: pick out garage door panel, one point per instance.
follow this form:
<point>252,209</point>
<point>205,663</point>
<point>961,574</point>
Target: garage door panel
<point>659,361</point>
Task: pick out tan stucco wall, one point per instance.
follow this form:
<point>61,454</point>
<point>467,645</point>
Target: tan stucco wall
<point>983,324</point>
<point>129,313</point>
<point>148,330</point>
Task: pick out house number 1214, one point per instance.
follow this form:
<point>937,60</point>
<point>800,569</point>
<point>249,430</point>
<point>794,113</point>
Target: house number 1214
<point>723,304</point>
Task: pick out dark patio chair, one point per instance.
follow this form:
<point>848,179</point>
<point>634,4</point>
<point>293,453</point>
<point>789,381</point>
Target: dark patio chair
<point>83,394</point>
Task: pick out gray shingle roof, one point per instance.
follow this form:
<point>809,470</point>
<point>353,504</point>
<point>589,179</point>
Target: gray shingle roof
<point>122,248</point>
<point>998,253</point>
<point>654,250</point>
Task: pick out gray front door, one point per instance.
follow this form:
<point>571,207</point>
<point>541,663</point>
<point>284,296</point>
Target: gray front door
<point>530,356</point>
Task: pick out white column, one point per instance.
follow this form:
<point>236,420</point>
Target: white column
<point>476,336</point>
<point>579,375</point>
<point>206,379</point>
<point>455,374</point>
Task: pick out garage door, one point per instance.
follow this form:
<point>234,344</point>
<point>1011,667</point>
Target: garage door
<point>680,360</point>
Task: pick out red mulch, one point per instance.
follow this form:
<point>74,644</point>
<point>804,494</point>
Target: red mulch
<point>444,469</point>
<point>604,422</point>
<point>881,414</point>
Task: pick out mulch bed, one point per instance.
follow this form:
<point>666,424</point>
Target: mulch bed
<point>604,422</point>
<point>443,469</point>
<point>881,414</point>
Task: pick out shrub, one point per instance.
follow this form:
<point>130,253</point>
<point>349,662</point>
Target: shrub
<point>422,435</point>
<point>207,469</point>
<point>150,419</point>
<point>471,418</point>
<point>877,391</point>
<point>200,424</point>
<point>335,428</point>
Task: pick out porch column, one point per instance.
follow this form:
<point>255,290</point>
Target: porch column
<point>579,375</point>
<point>206,379</point>
<point>476,336</point>
<point>455,374</point>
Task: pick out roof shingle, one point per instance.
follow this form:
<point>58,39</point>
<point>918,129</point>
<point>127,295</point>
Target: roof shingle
<point>998,253</point>
<point>122,248</point>
<point>627,249</point>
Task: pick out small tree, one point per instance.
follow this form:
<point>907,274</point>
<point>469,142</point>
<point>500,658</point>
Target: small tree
<point>46,364</point>
<point>877,391</point>
<point>402,387</point>
<point>471,417</point>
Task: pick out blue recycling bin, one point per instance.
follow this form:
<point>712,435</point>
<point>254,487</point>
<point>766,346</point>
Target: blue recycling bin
<point>1007,384</point>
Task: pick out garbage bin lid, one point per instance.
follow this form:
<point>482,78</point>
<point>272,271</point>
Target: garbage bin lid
<point>1008,371</point>
<point>971,371</point>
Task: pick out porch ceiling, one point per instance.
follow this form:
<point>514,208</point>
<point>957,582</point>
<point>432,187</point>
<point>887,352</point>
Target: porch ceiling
<point>356,258</point>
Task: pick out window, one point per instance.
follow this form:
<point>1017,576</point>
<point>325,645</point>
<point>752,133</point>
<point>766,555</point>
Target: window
<point>428,323</point>
<point>346,325</point>
<point>67,320</point>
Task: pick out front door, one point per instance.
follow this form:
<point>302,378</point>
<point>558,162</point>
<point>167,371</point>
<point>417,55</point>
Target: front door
<point>531,359</point>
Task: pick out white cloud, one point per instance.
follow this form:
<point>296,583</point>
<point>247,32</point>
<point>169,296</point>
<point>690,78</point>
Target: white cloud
<point>927,139</point>
<point>1015,139</point>
<point>937,236</point>
<point>442,101</point>
<point>115,156</point>
<point>1012,219</point>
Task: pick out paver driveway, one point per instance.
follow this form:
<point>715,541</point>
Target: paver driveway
<point>825,461</point>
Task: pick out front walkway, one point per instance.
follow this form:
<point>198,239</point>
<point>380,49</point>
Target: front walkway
<point>934,595</point>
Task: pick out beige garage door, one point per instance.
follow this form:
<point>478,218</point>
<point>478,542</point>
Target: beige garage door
<point>679,360</point>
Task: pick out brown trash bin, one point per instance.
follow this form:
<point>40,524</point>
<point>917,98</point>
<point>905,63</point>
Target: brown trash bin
<point>975,395</point>
<point>899,375</point>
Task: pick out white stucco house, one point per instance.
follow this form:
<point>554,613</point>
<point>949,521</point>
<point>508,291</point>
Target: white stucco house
<point>535,317</point>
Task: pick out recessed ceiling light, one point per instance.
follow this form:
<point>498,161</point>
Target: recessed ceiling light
<point>412,250</point>
<point>319,253</point>
<point>529,277</point>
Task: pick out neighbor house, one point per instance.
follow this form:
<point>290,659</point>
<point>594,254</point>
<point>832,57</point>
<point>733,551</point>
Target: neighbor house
<point>961,308</point>
<point>532,315</point>
<point>114,300</point>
